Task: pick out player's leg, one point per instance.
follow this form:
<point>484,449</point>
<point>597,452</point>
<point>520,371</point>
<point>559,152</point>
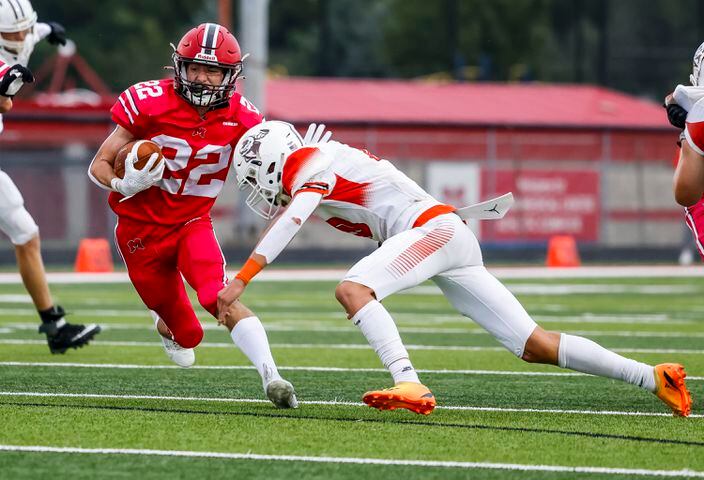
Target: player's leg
<point>477,294</point>
<point>19,225</point>
<point>694,218</point>
<point>149,253</point>
<point>401,262</point>
<point>203,266</point>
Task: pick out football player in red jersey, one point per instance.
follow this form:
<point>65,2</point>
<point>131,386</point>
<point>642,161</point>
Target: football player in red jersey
<point>164,231</point>
<point>423,239</point>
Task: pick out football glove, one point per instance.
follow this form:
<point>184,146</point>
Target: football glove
<point>676,115</point>
<point>13,80</point>
<point>136,180</point>
<point>316,134</point>
<point>57,35</point>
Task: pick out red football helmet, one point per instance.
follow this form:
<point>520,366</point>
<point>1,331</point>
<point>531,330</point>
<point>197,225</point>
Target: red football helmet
<point>207,44</point>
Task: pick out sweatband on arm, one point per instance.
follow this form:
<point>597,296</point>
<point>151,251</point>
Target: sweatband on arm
<point>250,268</point>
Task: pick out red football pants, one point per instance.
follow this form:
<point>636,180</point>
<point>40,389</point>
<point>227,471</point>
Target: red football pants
<point>158,256</point>
<point>694,218</point>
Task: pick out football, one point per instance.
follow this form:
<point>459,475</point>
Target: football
<point>144,149</point>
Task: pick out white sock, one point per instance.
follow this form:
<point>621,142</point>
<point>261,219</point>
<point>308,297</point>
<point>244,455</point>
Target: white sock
<point>585,356</point>
<point>250,337</point>
<point>379,329</point>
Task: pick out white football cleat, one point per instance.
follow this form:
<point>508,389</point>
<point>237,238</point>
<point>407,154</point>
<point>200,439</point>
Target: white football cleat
<point>183,357</point>
<point>281,393</point>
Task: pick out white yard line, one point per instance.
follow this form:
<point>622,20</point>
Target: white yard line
<point>322,327</point>
<point>313,274</point>
<point>295,368</point>
<point>335,403</point>
<point>343,346</point>
<point>356,461</point>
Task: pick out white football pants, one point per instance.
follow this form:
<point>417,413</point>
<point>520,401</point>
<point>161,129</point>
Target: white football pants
<point>15,220</point>
<point>446,251</point>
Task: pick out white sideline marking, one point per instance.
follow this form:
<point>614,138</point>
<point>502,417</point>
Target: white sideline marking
<point>299,369</point>
<point>275,275</point>
<point>15,298</point>
<point>343,346</point>
<point>336,403</point>
<point>356,460</point>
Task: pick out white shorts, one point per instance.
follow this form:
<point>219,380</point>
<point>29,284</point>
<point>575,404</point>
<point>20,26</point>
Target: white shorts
<point>446,251</point>
<point>15,220</point>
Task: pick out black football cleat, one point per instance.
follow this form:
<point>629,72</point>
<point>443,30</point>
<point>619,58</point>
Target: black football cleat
<point>62,335</point>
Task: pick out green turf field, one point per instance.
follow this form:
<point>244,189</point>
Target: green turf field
<point>119,409</point>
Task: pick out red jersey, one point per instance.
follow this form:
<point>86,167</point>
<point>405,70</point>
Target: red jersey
<point>197,151</point>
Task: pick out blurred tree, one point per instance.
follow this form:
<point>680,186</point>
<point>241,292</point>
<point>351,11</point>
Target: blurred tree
<point>125,41</point>
<point>641,47</point>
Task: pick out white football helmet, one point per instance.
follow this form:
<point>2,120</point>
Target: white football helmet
<point>697,76</point>
<point>17,16</point>
<point>259,159</point>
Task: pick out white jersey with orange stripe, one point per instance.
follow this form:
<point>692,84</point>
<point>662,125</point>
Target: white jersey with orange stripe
<point>694,129</point>
<point>362,194</point>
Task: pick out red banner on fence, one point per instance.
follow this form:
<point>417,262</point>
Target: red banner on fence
<point>548,202</point>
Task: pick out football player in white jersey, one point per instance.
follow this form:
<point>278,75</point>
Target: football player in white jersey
<point>19,33</point>
<point>421,239</point>
<point>685,110</point>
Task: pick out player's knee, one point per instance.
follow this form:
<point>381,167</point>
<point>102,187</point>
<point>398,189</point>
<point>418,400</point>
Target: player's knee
<point>189,336</point>
<point>541,347</point>
<point>348,293</point>
<point>30,246</point>
<point>20,227</point>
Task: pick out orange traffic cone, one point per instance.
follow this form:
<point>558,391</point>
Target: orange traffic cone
<point>94,256</point>
<point>562,252</point>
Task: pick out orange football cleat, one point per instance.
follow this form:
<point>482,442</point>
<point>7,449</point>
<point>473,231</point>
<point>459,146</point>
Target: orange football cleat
<point>415,397</point>
<point>671,389</point>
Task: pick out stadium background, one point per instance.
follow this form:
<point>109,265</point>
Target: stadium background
<point>557,101</point>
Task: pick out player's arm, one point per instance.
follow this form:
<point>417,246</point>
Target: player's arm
<point>102,168</point>
<point>5,104</point>
<point>688,183</point>
<point>274,240</point>
<point>54,32</point>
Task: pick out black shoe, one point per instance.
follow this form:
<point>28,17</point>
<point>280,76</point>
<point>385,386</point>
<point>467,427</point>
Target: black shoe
<point>62,335</point>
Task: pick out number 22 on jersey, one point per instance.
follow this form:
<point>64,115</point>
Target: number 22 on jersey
<point>179,161</point>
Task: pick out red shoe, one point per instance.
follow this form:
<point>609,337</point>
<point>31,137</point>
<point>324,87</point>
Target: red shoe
<point>415,397</point>
<point>671,389</point>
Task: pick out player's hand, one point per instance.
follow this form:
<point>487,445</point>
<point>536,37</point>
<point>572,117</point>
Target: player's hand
<point>13,80</point>
<point>227,296</point>
<point>316,134</point>
<point>57,35</point>
<point>676,115</point>
<point>136,180</point>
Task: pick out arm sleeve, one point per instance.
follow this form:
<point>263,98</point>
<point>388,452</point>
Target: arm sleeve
<point>42,30</point>
<point>287,225</point>
<point>687,96</point>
